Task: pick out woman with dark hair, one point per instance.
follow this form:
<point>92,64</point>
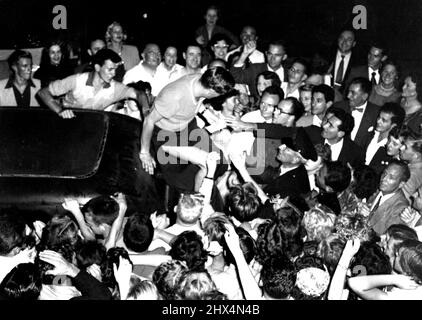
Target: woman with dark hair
<point>386,90</point>
<point>283,235</point>
<point>188,247</point>
<point>54,63</point>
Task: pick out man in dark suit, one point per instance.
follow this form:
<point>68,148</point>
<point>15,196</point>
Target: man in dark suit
<point>371,70</point>
<point>291,177</point>
<point>364,112</point>
<point>276,56</point>
<point>391,115</point>
<point>335,132</point>
<point>343,60</point>
<point>385,207</point>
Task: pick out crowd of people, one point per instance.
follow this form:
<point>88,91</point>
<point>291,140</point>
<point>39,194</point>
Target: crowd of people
<point>291,181</point>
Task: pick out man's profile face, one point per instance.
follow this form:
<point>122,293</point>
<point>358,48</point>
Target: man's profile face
<point>330,126</point>
<point>286,155</point>
<point>275,56</point>
<point>283,113</point>
<point>356,95</point>
<point>193,57</point>
<point>107,71</point>
<point>23,68</point>
<point>384,122</point>
<point>346,41</point>
<point>170,57</point>
<point>406,150</point>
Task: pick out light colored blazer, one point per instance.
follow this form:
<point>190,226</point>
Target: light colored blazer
<point>7,96</point>
<point>388,213</point>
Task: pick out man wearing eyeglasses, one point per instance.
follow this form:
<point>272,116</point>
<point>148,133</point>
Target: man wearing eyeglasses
<point>270,98</point>
<point>146,70</point>
<point>275,55</point>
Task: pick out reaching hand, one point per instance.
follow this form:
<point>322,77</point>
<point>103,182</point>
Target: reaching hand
<point>148,162</point>
<point>122,275</point>
<point>212,159</point>
<point>351,248</point>
<point>61,265</point>
<point>249,47</point>
<point>232,239</point>
<point>120,198</point>
<point>363,209</point>
<point>236,124</point>
<point>405,282</point>
<point>66,114</point>
<point>71,205</point>
<point>159,222</point>
<point>408,215</point>
<point>238,160</point>
<point>27,255</point>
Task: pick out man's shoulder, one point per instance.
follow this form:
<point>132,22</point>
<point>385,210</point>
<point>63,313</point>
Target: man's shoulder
<point>3,83</point>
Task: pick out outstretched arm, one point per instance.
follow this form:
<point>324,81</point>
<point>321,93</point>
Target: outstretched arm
<point>367,287</point>
<point>46,96</point>
<point>148,162</point>
<point>337,290</point>
<point>72,206</point>
<point>249,284</point>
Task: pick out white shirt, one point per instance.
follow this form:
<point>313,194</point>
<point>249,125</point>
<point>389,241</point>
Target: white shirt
<point>139,72</point>
<point>373,147</point>
<point>294,94</point>
<point>357,115</point>
<point>335,149</point>
<point>255,117</point>
<point>345,63</point>
<point>383,199</point>
<point>316,121</point>
<point>285,170</point>
<point>279,71</point>
<point>163,76</point>
<point>377,74</point>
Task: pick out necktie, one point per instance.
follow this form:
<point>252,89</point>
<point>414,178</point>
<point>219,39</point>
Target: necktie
<point>373,80</point>
<point>339,75</point>
<point>377,204</point>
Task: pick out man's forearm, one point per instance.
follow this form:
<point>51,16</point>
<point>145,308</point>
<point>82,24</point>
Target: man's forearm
<point>49,100</point>
<point>147,129</point>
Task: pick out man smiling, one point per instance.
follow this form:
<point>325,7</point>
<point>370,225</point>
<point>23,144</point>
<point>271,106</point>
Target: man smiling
<point>92,90</point>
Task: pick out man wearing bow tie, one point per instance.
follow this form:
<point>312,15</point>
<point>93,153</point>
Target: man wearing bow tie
<point>364,112</point>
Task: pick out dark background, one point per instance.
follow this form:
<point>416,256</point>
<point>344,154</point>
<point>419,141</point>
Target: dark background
<point>307,26</point>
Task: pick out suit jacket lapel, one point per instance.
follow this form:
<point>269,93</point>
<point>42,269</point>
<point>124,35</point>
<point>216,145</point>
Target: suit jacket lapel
<point>376,217</point>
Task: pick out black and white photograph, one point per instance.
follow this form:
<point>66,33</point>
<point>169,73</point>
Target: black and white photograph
<point>228,152</point>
